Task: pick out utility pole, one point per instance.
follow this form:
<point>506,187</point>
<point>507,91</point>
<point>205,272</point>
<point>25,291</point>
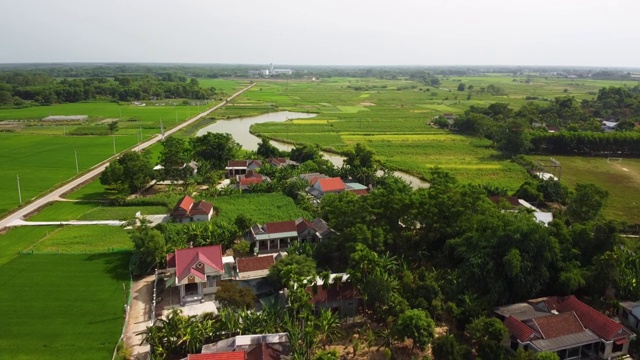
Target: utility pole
<point>19,192</point>
<point>76,154</point>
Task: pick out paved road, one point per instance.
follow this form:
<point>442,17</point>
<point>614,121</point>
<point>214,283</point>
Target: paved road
<point>20,222</point>
<point>139,317</point>
<point>96,170</point>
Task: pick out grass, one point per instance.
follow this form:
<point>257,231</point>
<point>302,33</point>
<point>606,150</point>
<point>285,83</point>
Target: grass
<point>93,190</point>
<point>21,238</point>
<point>622,185</point>
<point>62,306</point>
<point>66,210</point>
<point>87,239</point>
<point>258,207</point>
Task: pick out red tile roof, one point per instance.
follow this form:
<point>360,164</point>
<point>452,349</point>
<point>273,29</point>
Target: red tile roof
<point>253,174</point>
<point>230,355</point>
<point>280,227</point>
<point>554,326</point>
<point>254,263</point>
<point>184,260</point>
<point>250,181</point>
<point>518,329</point>
<point>237,163</point>
<point>360,192</point>
<point>592,319</point>
<point>201,208</point>
<point>302,225</point>
<point>331,184</point>
<point>183,205</point>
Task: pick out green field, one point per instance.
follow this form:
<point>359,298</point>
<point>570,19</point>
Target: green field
<point>87,239</point>
<point>622,185</point>
<point>19,239</point>
<point>41,154</point>
<point>259,207</point>
<point>44,161</point>
<point>67,210</point>
<point>62,306</point>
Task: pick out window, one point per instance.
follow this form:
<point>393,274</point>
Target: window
<point>574,352</point>
<point>211,281</point>
<point>514,345</point>
<point>199,265</point>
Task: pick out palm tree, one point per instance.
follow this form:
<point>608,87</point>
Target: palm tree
<point>327,326</point>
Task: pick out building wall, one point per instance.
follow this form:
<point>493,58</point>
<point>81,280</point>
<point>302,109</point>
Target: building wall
<point>198,218</point>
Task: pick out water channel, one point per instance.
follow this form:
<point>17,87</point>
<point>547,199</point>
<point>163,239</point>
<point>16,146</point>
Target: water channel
<point>239,129</point>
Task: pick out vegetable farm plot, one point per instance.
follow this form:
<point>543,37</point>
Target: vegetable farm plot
<point>258,207</point>
<point>62,306</point>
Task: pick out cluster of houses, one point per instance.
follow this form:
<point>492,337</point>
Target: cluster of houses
<point>245,174</point>
<point>197,272</point>
<point>566,326</point>
<point>270,72</point>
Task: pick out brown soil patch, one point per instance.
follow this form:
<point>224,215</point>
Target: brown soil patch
<point>367,104</point>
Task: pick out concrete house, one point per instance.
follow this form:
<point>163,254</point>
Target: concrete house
<point>629,314</point>
<point>281,162</point>
<point>195,271</point>
<point>254,267</point>
<point>252,177</point>
<point>254,347</point>
<point>240,167</point>
<point>278,236</point>
<point>566,326</point>
<point>187,210</point>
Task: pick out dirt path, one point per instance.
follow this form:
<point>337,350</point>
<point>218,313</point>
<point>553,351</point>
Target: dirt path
<point>139,317</point>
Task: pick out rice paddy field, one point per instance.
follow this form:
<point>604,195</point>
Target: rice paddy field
<point>42,154</point>
<point>63,306</point>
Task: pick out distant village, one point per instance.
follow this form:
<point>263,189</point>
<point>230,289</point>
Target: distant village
<point>270,72</point>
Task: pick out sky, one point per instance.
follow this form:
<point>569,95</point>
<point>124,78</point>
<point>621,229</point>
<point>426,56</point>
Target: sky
<point>323,32</point>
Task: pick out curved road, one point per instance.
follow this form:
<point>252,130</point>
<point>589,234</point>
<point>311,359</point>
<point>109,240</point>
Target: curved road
<point>96,170</point>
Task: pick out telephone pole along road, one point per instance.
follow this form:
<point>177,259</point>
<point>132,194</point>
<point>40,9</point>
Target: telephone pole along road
<point>96,170</point>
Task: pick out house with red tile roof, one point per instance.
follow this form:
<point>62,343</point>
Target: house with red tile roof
<point>187,210</point>
<point>240,167</point>
<point>321,185</point>
<point>566,326</point>
<point>254,267</point>
<point>249,179</point>
<point>195,271</point>
<point>256,347</point>
<point>274,237</point>
<point>281,162</point>
<point>229,355</point>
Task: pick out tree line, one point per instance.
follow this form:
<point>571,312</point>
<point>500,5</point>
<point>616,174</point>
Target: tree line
<point>24,88</point>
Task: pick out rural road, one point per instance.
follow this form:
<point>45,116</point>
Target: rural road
<point>96,170</point>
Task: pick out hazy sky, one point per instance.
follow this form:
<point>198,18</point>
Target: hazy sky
<point>331,32</point>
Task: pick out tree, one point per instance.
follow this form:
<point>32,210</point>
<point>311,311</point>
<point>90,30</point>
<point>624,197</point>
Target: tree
<point>215,148</point>
<point>514,139</point>
<point>149,249</point>
<point>586,203</point>
<point>461,87</point>
<point>360,164</point>
<point>546,356</point>
<point>305,153</point>
<point>327,327</point>
<point>285,272</point>
<point>130,172</point>
<point>173,156</point>
<point>241,248</point>
<point>230,294</point>
<point>487,335</point>
<point>113,127</point>
<point>266,150</point>
<point>446,347</point>
<point>416,325</point>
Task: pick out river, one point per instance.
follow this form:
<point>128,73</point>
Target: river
<point>239,129</point>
